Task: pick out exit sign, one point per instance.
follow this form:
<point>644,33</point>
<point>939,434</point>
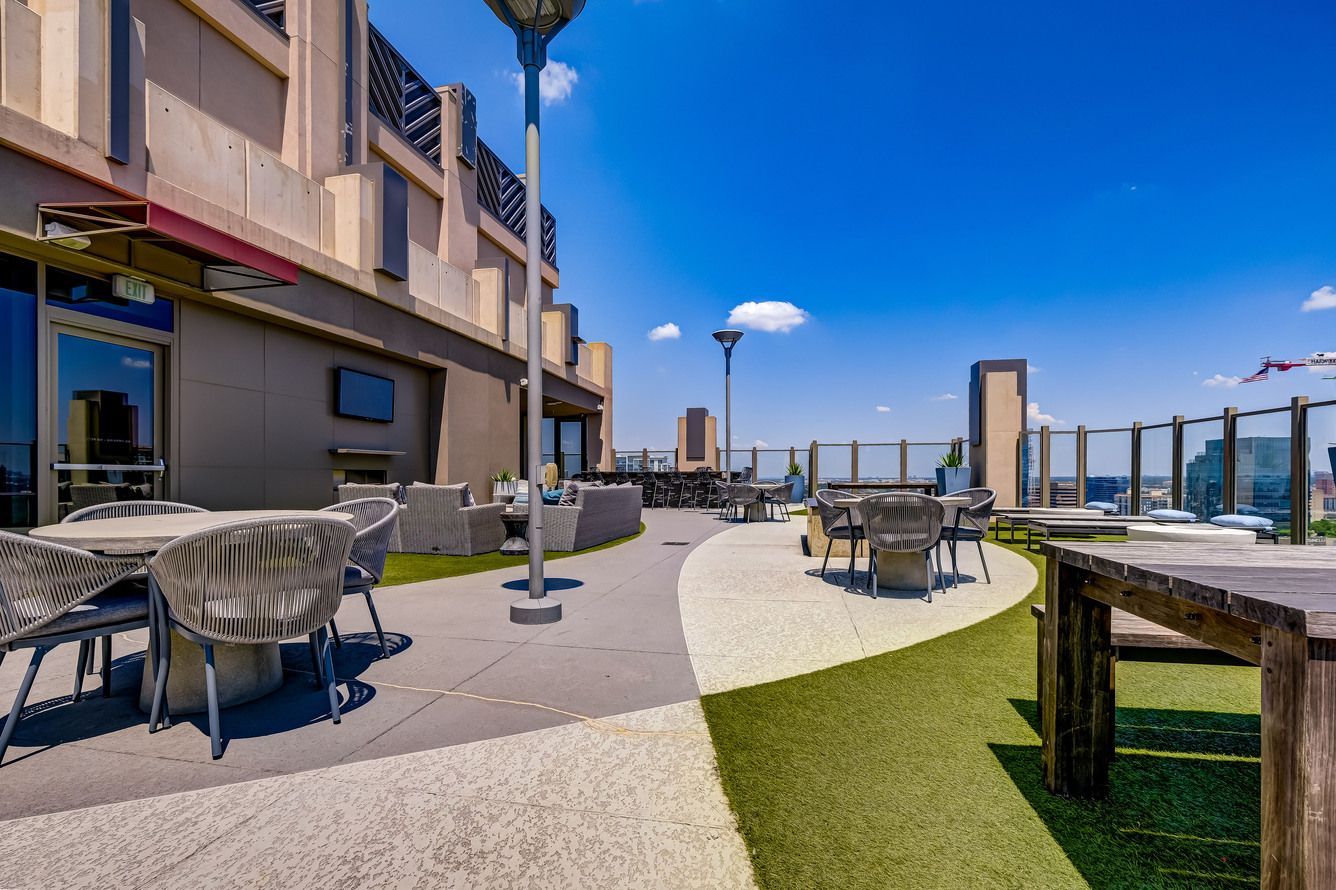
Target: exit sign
<point>136,290</point>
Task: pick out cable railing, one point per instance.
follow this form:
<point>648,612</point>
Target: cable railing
<point>1278,463</point>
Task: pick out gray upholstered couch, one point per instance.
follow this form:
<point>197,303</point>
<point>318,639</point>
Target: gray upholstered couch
<point>599,515</point>
<point>435,520</point>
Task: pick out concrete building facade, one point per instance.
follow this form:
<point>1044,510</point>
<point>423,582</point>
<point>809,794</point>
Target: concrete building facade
<point>247,252</point>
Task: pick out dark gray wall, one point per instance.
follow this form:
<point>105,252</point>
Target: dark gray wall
<point>256,420</point>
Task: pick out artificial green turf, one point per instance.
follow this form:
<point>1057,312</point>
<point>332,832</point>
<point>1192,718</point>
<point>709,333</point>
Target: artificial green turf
<point>406,568</point>
<point>921,768</point>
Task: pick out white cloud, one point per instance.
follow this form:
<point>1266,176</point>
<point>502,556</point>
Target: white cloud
<point>883,409</point>
<point>1221,380</point>
<point>760,443</point>
<point>1032,369</point>
<point>556,82</point>
<point>768,315</point>
<point>1033,413</point>
<point>1322,298</point>
<point>136,363</point>
<point>666,331</point>
<point>946,397</point>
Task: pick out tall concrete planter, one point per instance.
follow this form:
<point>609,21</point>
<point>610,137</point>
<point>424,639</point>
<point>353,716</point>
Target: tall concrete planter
<point>952,479</point>
<point>798,491</point>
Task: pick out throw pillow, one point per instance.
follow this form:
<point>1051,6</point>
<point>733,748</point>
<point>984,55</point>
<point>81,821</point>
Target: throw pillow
<point>568,495</point>
<point>468,496</point>
<point>1102,506</point>
<point>1172,515</point>
<point>1234,520</point>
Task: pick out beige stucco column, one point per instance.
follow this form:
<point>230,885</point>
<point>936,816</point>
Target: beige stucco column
<point>997,419</point>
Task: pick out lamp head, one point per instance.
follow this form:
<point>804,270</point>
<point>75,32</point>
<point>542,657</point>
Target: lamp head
<point>546,16</point>
<point>727,338</point>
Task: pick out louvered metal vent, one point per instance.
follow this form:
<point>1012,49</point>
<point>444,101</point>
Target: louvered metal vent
<point>402,98</point>
<point>501,193</point>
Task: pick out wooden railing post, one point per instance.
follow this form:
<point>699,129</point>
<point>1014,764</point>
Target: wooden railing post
<point>1229,494</point>
<point>1134,501</point>
<point>853,461</point>
<point>1045,484</point>
<point>813,479</point>
<point>904,460</point>
<point>1080,465</point>
<point>1299,484</point>
<point>1176,471</point>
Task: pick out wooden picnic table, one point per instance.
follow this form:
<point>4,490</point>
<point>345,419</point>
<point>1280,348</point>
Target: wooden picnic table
<point>1270,606</point>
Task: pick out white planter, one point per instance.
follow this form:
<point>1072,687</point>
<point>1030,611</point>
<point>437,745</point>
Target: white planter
<point>503,488</point>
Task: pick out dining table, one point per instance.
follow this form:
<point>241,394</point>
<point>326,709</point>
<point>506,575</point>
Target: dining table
<point>904,571</point>
<point>244,672</point>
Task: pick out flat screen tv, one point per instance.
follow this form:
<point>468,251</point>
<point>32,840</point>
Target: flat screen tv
<point>363,396</point>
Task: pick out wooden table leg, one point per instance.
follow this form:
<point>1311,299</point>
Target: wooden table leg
<point>1298,761</point>
<point>1077,706</point>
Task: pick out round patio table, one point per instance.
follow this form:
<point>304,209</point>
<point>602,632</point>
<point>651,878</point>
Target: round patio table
<point>902,571</point>
<point>244,673</point>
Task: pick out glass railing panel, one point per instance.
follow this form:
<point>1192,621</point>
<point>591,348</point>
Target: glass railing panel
<point>1262,468</point>
<point>834,464</point>
<point>879,463</point>
<point>1062,469</point>
<point>1321,467</point>
<point>922,464</point>
<point>1030,469</point>
<point>1157,471</point>
<point>1109,469</point>
<point>1203,468</point>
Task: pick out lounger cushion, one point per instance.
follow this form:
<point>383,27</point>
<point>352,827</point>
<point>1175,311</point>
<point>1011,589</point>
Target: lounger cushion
<point>1172,515</point>
<point>123,603</point>
<point>1102,506</point>
<point>1234,520</point>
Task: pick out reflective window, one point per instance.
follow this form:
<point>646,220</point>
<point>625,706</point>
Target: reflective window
<point>69,290</point>
<point>18,394</point>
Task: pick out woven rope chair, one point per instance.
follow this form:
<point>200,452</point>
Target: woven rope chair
<point>375,520</point>
<point>252,582</point>
<point>903,522</point>
<point>743,496</point>
<point>123,509</point>
<point>52,594</point>
<point>120,510</point>
<point>839,524</point>
<point>971,524</point>
<point>778,498</point>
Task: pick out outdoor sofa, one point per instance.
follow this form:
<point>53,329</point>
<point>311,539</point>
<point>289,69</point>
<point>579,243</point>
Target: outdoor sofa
<point>600,514</point>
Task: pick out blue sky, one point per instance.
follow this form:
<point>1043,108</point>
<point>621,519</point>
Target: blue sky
<point>1134,196</point>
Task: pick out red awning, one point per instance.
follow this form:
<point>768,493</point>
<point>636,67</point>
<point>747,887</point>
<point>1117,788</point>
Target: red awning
<point>228,263</point>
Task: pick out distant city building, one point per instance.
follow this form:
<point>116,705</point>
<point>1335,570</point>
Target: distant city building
<point>1151,499</point>
<point>1106,489</point>
<point>1261,478</point>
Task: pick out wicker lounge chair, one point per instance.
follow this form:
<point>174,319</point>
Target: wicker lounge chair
<point>435,520</point>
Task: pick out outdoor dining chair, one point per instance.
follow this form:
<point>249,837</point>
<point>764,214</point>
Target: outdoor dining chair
<point>903,522</point>
<point>971,525</point>
<point>375,520</point>
<point>252,582</point>
<point>120,510</point>
<point>742,496</point>
<point>836,524</point>
<point>52,594</point>
<point>778,499</point>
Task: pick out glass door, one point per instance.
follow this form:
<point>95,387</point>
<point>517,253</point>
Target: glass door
<point>107,409</point>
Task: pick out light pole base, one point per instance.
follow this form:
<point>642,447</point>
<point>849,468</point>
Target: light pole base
<point>535,611</point>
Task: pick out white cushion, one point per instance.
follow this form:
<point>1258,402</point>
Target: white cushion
<point>1196,534</point>
<point>1234,520</point>
<point>1172,515</point>
<point>1102,506</point>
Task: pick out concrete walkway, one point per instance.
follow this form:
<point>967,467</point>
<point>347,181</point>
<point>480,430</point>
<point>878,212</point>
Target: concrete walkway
<point>482,754</point>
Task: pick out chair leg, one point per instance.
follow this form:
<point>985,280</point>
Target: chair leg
<point>211,689</point>
<point>829,542</point>
<point>986,576</point>
<point>80,669</point>
<point>955,572</point>
<point>375,619</point>
<point>853,554</point>
<point>317,662</point>
<point>331,682</point>
<point>872,571</point>
<point>161,646</point>
<point>334,629</point>
<point>106,666</point>
<point>20,699</point>
<point>92,668</point>
<point>927,555</point>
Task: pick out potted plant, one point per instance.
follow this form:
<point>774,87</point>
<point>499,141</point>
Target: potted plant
<point>503,484</point>
<point>794,473</point>
<point>952,474</point>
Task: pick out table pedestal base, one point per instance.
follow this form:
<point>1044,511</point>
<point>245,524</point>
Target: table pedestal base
<point>903,571</point>
<point>245,673</point>
<point>755,512</point>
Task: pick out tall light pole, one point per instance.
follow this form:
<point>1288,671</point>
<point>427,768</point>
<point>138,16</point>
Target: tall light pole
<point>728,339</point>
<point>535,23</point>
